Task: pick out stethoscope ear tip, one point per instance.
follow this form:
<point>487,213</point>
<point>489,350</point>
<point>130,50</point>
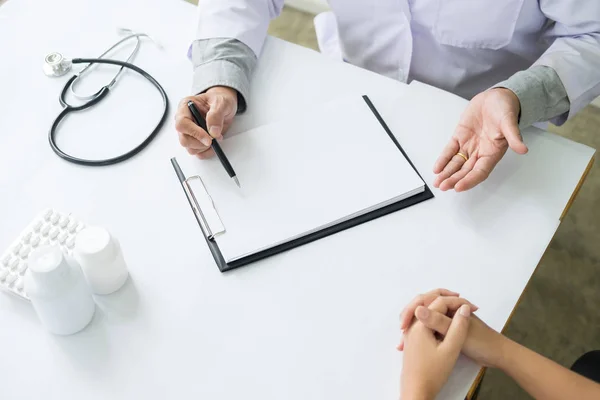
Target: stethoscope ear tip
<point>132,33</point>
<point>124,31</point>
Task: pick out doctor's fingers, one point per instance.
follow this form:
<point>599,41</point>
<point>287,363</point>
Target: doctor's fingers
<point>185,126</point>
<point>208,153</point>
<point>510,129</point>
<point>480,172</point>
<point>456,163</point>
<point>215,117</point>
<point>449,151</point>
<point>184,122</point>
<point>193,145</point>
<point>195,148</point>
<point>451,181</point>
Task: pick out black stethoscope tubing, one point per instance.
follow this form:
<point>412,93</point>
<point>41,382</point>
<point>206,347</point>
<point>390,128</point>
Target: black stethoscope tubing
<point>103,92</point>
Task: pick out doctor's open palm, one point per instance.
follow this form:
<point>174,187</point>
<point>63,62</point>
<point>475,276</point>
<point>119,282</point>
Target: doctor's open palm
<point>486,129</point>
<point>218,105</point>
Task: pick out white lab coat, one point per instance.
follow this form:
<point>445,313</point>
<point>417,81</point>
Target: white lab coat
<point>463,46</point>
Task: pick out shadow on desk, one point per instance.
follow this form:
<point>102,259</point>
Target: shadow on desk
<point>122,305</point>
<point>89,350</point>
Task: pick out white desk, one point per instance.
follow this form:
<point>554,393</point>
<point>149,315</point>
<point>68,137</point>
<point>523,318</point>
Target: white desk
<point>318,322</point>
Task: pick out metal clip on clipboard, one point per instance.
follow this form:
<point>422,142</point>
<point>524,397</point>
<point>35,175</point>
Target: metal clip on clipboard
<point>201,202</point>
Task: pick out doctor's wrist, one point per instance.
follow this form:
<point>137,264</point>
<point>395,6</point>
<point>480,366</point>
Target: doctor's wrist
<point>229,94</point>
<point>224,91</point>
<point>513,99</point>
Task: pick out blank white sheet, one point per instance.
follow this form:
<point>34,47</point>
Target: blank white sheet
<point>298,175</point>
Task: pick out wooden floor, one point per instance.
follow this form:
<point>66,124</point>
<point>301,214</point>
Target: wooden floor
<point>296,27</point>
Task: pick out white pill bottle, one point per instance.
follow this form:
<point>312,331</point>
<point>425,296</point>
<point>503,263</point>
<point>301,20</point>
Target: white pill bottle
<point>101,260</point>
<point>58,291</point>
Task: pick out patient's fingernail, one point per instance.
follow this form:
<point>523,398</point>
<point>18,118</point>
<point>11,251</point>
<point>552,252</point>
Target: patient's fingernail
<point>206,141</point>
<point>465,310</point>
<point>422,313</point>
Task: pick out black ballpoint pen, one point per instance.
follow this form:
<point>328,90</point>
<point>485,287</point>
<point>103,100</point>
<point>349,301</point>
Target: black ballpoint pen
<point>214,145</point>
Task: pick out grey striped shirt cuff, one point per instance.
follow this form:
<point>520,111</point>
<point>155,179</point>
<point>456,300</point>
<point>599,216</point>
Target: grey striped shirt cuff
<point>542,95</point>
<point>223,62</point>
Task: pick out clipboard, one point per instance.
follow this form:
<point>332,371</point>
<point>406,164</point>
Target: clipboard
<point>212,226</point>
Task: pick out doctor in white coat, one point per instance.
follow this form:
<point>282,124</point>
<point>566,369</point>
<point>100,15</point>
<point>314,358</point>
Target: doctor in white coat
<point>519,61</point>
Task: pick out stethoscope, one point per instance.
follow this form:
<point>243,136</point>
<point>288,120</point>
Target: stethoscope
<point>56,65</point>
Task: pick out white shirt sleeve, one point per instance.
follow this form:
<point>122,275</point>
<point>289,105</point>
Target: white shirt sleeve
<point>244,20</point>
<point>575,51</point>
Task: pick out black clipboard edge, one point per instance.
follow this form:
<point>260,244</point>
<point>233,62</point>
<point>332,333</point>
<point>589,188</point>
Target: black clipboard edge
<point>391,135</point>
<point>212,245</point>
<point>224,266</point>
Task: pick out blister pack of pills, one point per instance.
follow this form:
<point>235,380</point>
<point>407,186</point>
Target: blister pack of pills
<point>50,227</point>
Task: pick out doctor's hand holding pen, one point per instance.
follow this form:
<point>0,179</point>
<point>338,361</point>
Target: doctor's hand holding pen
<point>218,105</point>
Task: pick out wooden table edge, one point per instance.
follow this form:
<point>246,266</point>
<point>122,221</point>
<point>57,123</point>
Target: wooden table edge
<point>481,373</point>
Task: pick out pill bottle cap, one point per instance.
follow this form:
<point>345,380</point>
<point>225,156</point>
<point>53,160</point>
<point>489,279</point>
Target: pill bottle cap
<point>94,245</point>
<point>47,264</point>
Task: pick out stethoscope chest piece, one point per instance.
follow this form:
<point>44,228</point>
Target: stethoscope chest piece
<point>56,65</point>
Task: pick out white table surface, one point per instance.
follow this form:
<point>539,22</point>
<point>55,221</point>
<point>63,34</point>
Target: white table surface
<point>318,322</point>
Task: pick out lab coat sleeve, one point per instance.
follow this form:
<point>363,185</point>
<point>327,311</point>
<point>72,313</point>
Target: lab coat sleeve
<point>244,20</point>
<point>575,51</point>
